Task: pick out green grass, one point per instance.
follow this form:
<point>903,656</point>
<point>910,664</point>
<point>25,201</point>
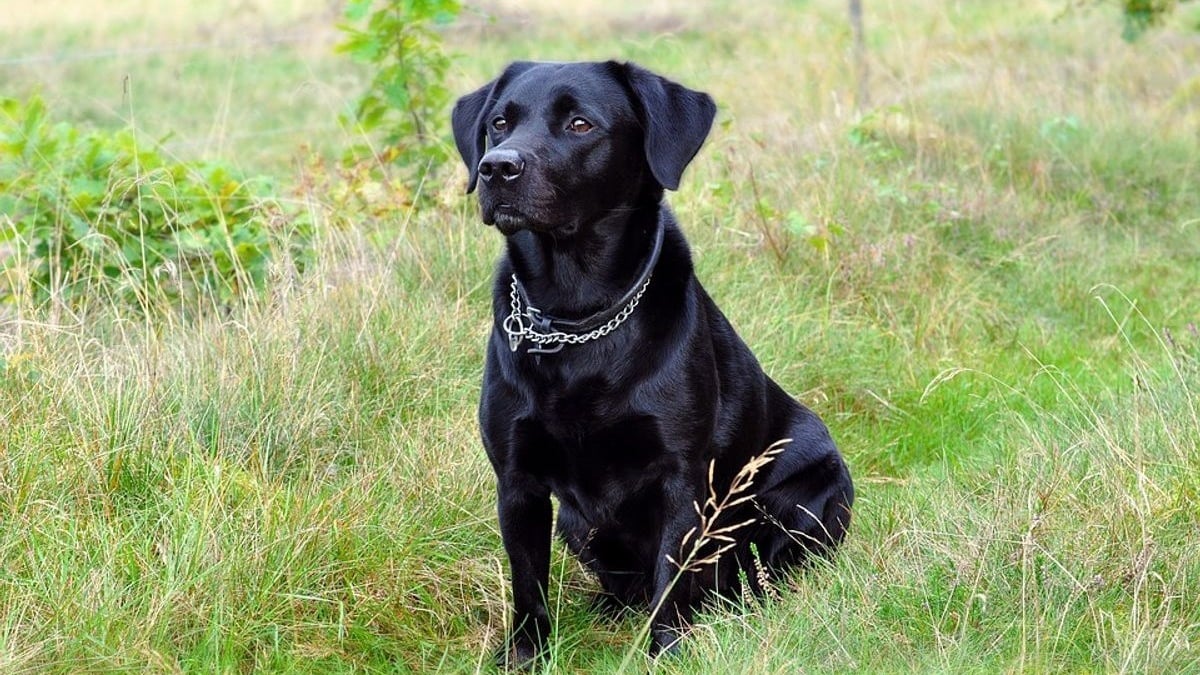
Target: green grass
<point>988,285</point>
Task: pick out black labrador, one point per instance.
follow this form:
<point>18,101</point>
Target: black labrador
<point>612,380</point>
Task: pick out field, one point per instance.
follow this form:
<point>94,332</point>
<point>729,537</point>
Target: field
<point>986,280</point>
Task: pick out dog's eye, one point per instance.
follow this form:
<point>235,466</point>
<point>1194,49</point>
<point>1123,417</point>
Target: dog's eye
<point>579,125</point>
<point>500,124</point>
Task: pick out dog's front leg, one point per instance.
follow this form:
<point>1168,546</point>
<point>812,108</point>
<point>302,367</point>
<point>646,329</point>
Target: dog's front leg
<point>525,526</point>
<point>676,585</point>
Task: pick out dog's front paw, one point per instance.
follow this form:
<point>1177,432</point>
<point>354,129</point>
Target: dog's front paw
<point>520,653</point>
<point>665,640</point>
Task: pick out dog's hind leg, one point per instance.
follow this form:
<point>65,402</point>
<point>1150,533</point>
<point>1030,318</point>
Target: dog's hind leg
<point>806,512</point>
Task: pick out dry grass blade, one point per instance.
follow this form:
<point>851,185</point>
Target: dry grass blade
<point>708,532</point>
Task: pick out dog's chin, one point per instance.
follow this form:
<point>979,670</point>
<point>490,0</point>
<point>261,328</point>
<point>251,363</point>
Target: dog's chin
<point>509,220</point>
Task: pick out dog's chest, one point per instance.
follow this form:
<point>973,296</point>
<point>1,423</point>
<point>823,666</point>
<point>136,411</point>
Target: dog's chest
<point>596,467</point>
<point>574,405</point>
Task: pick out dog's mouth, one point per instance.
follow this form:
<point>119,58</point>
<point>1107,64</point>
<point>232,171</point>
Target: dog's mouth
<point>509,218</point>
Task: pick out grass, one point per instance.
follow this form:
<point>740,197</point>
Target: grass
<point>987,284</point>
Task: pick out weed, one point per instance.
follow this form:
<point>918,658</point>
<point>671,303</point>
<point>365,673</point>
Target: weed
<point>92,215</point>
<point>407,97</point>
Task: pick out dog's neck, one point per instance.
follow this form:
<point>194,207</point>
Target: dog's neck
<point>578,274</point>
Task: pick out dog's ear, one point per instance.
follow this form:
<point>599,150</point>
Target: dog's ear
<point>470,129</point>
<point>675,120</point>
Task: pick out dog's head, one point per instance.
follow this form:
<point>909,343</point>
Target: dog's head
<point>558,146</point>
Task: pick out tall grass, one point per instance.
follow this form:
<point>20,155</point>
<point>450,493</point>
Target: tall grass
<point>987,286</point>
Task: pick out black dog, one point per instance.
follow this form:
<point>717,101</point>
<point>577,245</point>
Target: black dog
<point>612,380</point>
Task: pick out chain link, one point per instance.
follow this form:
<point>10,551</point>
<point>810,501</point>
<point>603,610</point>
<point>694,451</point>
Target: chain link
<point>520,325</point>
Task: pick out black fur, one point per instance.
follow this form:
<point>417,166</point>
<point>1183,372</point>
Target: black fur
<point>622,429</point>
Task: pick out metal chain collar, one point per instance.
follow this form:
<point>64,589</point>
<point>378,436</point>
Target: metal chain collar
<point>531,325</point>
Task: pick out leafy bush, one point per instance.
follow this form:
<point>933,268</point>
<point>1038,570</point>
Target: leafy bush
<point>1138,16</point>
<point>86,213</point>
<point>1141,15</point>
<point>407,100</point>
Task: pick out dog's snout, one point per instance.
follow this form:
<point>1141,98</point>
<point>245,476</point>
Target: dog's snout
<point>503,162</point>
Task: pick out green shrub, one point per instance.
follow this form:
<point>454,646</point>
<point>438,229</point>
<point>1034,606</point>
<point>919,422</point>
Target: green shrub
<point>1141,15</point>
<point>406,102</point>
<point>1138,16</point>
<point>87,214</point>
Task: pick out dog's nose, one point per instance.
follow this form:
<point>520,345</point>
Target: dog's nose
<point>503,162</point>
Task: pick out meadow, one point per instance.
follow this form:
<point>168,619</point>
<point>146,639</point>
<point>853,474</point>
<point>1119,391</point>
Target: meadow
<point>986,280</point>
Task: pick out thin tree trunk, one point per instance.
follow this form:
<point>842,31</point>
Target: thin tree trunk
<point>862,98</point>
